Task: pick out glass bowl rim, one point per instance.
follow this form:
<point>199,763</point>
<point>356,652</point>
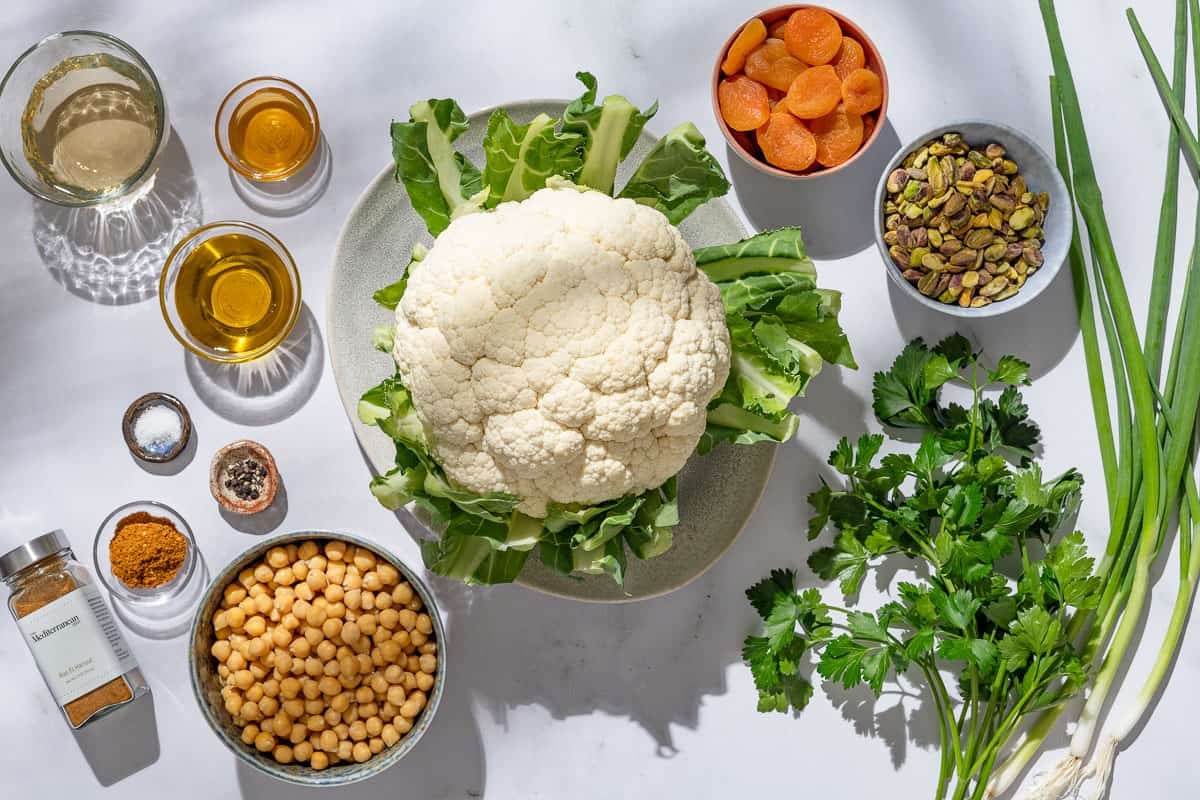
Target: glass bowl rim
<point>160,109</point>
<point>259,233</point>
<point>236,165</point>
<point>173,587</point>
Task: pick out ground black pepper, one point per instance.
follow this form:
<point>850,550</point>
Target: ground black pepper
<point>246,478</point>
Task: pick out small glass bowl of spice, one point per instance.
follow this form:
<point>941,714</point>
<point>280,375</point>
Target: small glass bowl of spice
<point>156,427</point>
<point>146,556</point>
<point>243,477</point>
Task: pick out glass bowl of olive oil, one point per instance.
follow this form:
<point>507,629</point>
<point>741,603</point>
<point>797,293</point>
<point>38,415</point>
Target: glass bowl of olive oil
<point>230,292</point>
<point>82,119</point>
<point>267,129</point>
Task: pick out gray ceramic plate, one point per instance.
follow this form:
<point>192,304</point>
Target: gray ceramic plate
<point>717,493</point>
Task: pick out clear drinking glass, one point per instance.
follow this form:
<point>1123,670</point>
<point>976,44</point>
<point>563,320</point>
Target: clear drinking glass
<point>82,119</point>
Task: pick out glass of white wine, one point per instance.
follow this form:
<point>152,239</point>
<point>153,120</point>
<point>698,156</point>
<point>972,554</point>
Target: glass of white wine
<point>82,119</point>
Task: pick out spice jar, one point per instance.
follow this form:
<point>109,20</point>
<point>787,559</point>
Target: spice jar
<point>69,629</point>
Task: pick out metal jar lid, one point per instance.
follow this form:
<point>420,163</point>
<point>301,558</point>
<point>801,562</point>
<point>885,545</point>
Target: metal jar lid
<point>32,552</point>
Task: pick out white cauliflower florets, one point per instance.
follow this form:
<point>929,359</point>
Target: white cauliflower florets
<point>563,348</point>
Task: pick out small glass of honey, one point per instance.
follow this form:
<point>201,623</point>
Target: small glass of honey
<point>230,292</point>
<point>267,129</point>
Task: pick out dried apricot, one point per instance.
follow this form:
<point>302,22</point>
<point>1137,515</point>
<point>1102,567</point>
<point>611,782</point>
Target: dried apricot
<point>838,135</point>
<point>868,126</point>
<point>775,29</point>
<point>748,38</point>
<point>815,92</point>
<point>743,103</point>
<point>813,35</point>
<point>850,56</point>
<point>862,91</point>
<point>777,74</point>
<point>786,143</point>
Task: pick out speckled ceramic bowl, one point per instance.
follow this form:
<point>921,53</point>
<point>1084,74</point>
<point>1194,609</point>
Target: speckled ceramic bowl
<point>1040,173</point>
<point>206,685</point>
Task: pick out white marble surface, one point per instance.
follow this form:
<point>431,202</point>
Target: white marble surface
<point>547,698</point>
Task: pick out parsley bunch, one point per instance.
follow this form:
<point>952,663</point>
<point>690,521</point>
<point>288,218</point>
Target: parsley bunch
<point>972,508</point>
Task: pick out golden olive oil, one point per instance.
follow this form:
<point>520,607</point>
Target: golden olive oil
<point>91,126</point>
<point>234,294</point>
<point>272,133</point>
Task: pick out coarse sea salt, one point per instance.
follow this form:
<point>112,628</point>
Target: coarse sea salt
<point>158,429</point>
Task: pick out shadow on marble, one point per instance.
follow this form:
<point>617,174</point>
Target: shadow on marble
<point>123,742</point>
<point>1042,331</point>
<point>448,762</point>
<point>292,195</point>
<point>264,521</point>
<point>266,390</point>
<point>113,254</point>
<point>835,211</point>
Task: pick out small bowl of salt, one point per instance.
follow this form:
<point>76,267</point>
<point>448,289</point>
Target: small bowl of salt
<point>156,427</point>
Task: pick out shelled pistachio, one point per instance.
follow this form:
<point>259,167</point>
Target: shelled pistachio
<point>961,223</point>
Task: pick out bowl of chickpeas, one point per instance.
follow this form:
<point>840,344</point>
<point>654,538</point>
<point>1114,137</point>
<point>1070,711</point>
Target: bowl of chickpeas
<point>317,658</point>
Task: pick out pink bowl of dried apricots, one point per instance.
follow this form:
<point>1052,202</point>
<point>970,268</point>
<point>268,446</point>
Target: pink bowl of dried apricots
<point>799,91</point>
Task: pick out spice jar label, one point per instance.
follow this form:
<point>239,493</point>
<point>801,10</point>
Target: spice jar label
<point>76,644</point>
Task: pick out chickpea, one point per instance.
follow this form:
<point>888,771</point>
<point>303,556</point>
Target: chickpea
<point>249,733</point>
<point>307,549</point>
<point>362,752</point>
<point>335,550</point>
<point>402,638</point>
<point>341,701</point>
<point>417,638</point>
<point>350,632</point>
<point>390,651</point>
<point>235,594</point>
<point>254,693</point>
<point>250,711</point>
<point>263,573</point>
<point>364,559</point>
<point>381,635</point>
<point>268,706</point>
<point>235,661</point>
<point>410,709</point>
<point>374,725</point>
<point>331,669</point>
<point>377,658</point>
<point>363,694</point>
<point>243,679</point>
<point>345,750</point>
<point>289,688</point>
<point>309,688</point>
<point>315,723</point>
<point>410,682</point>
<point>302,750</point>
<point>331,628</point>
<point>342,730</point>
<point>281,636</point>
<point>329,741</point>
<point>335,573</point>
<point>364,664</point>
<point>376,744</point>
<point>316,616</point>
<point>256,626</point>
<point>246,579</point>
<point>277,557</point>
<point>372,582</point>
<point>304,592</point>
<point>366,710</point>
<point>387,712</point>
<point>220,620</point>
<point>255,591</point>
<point>428,664</point>
<point>389,575</point>
<point>258,648</point>
<point>300,648</point>
<point>378,683</point>
<point>428,649</point>
<point>294,708</point>
<point>319,760</point>
<point>415,604</point>
<point>283,754</point>
<point>318,562</point>
<point>358,730</point>
<point>284,576</point>
<point>332,717</point>
<point>403,594</point>
<point>348,682</point>
<point>258,671</point>
<point>368,624</point>
<point>408,619</point>
<point>352,580</point>
<point>313,667</point>
<point>221,650</point>
<point>282,724</point>
<point>383,600</point>
<point>396,695</point>
<point>424,681</point>
<point>390,735</point>
<point>264,603</point>
<point>222,671</point>
<point>413,665</point>
<point>368,600</point>
<point>353,599</point>
<point>300,571</point>
<point>290,622</point>
<point>235,617</point>
<point>337,610</point>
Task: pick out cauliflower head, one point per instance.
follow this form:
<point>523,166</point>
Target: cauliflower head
<point>561,349</point>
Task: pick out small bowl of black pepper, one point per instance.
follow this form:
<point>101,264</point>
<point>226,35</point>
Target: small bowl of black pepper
<point>243,477</point>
